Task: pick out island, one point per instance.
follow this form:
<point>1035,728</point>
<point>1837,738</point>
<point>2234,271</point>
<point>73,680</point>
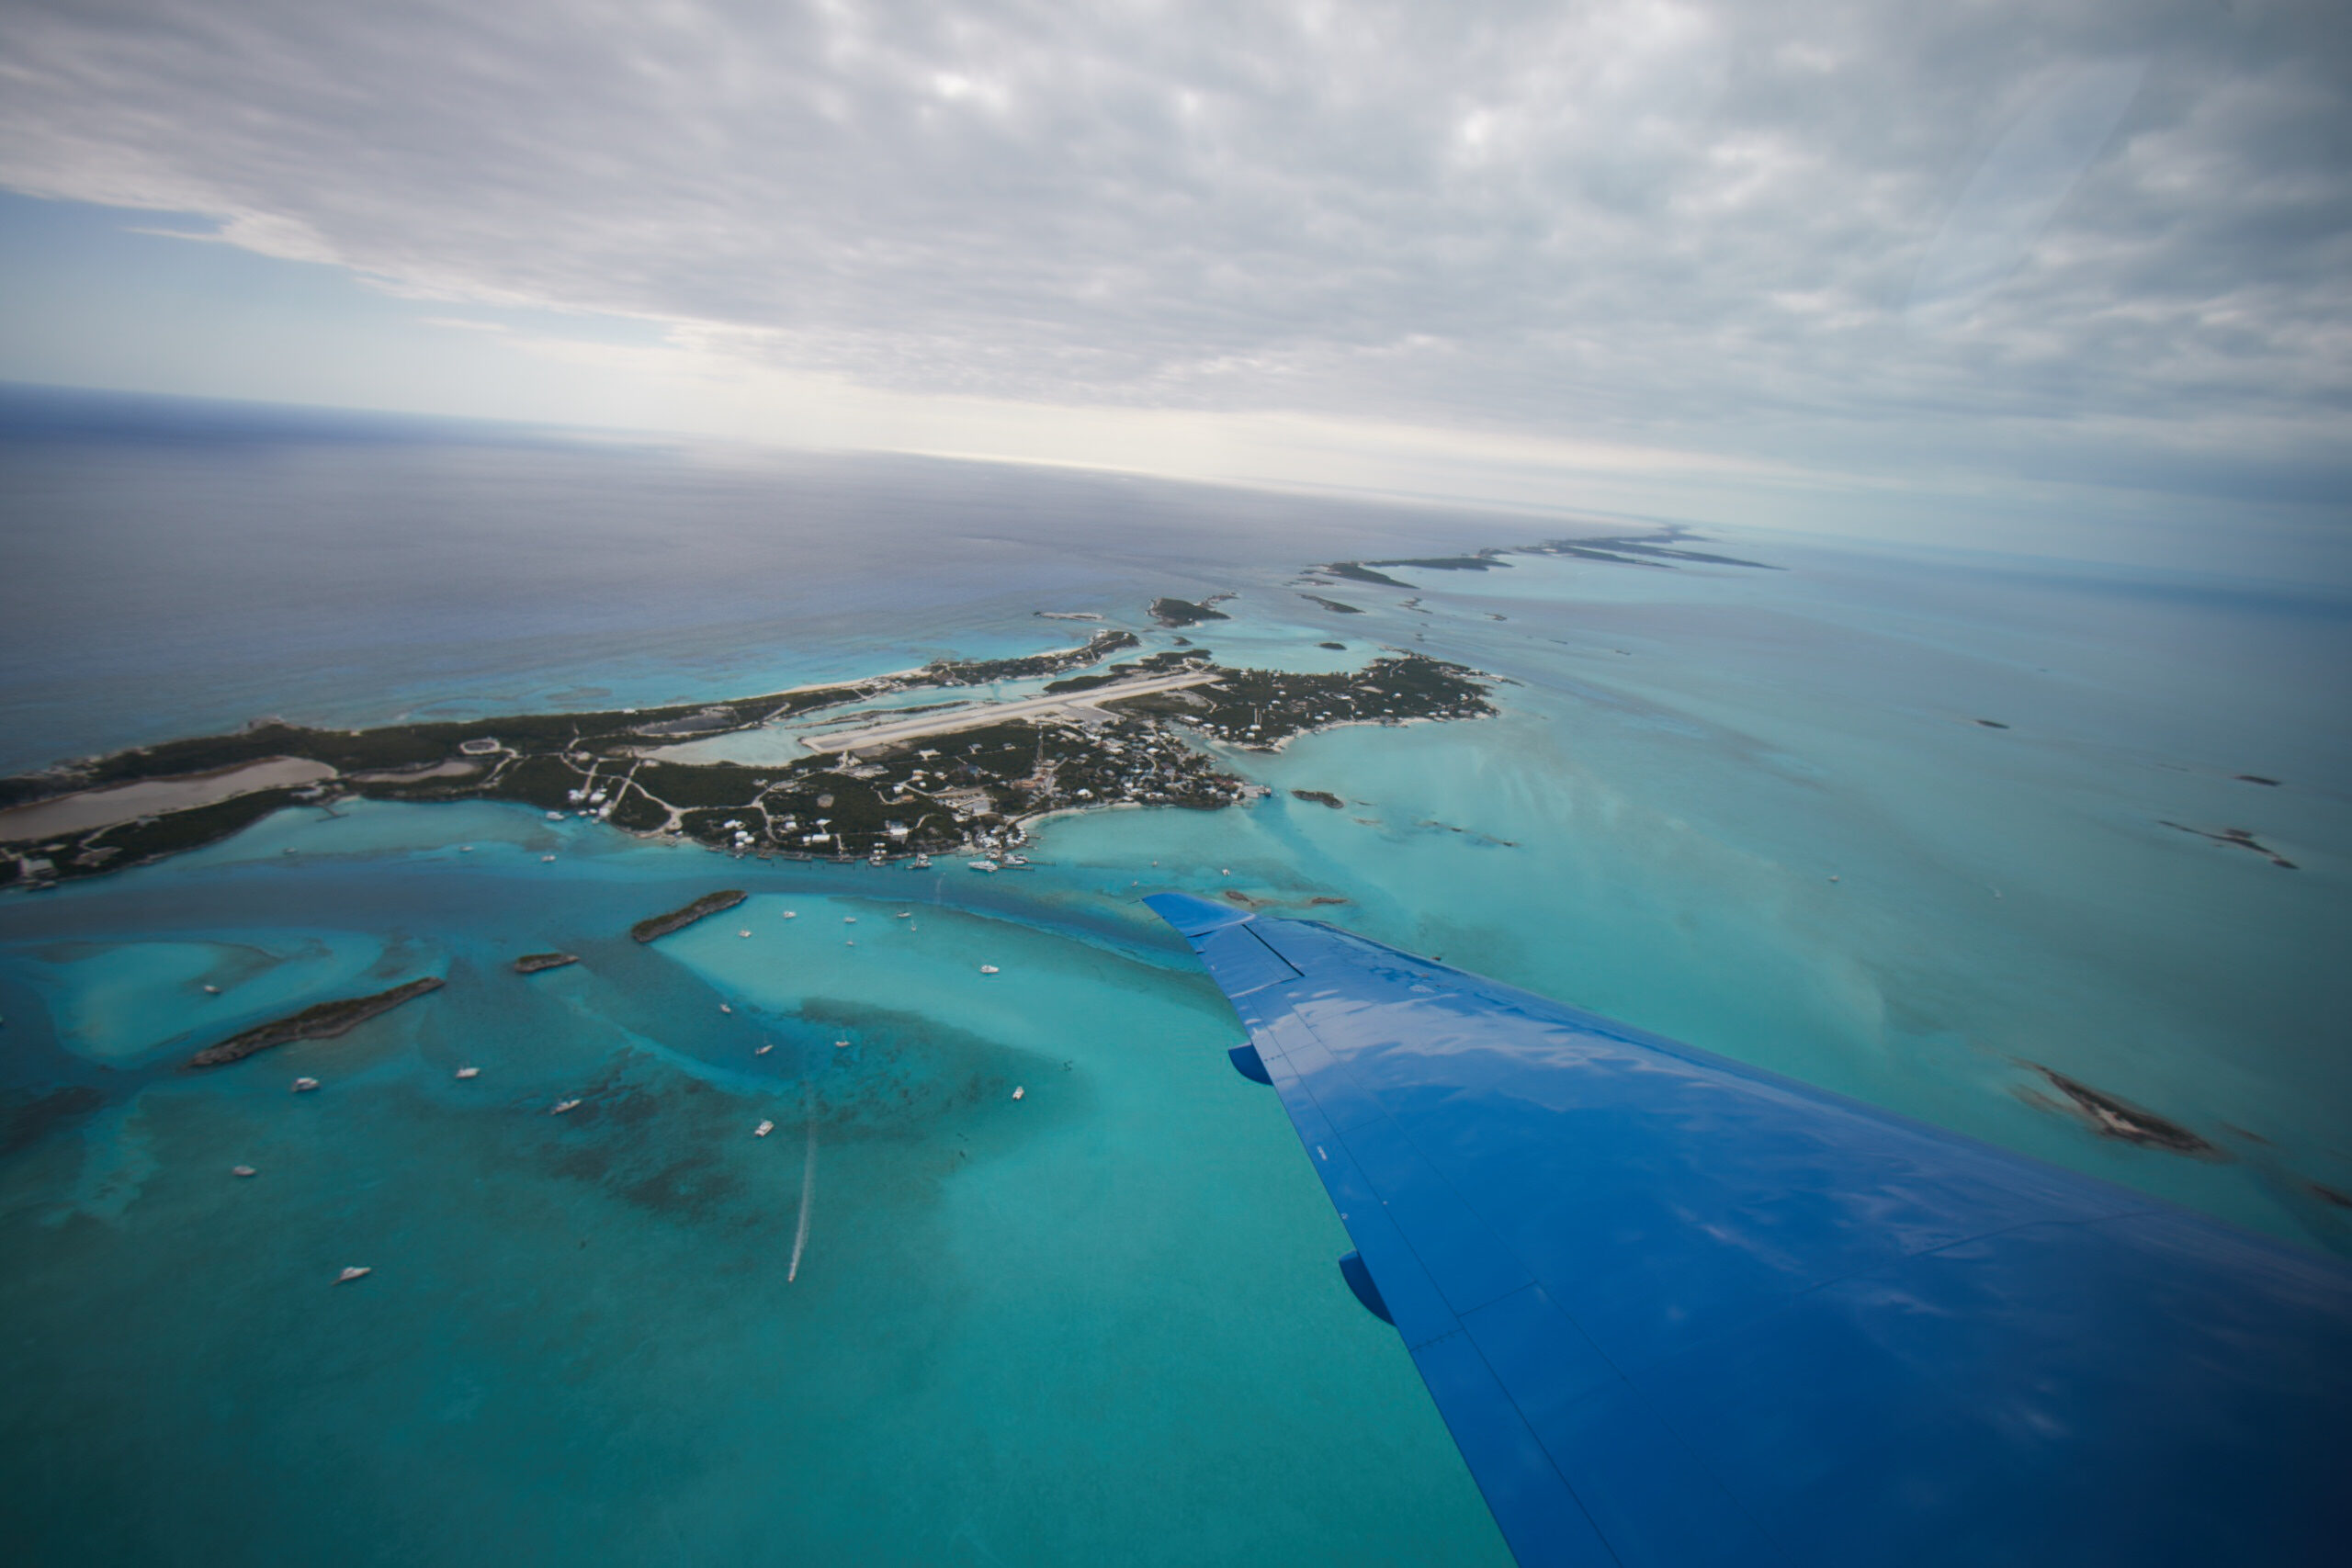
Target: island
<point>958,775</point>
<point>1184,613</point>
<point>952,775</point>
<point>1321,797</point>
<point>660,926</point>
<point>2119,1118</point>
<point>324,1021</point>
<point>533,962</point>
<point>1356,572</point>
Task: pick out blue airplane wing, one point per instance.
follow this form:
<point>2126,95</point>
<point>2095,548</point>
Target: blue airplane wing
<point>1678,1310</point>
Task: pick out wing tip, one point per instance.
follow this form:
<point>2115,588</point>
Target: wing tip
<point>1193,916</point>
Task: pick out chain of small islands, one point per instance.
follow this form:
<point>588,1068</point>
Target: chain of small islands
<point>898,783</point>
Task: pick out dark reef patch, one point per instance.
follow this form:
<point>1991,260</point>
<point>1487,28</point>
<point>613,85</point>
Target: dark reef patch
<point>2240,838</point>
<point>26,1117</point>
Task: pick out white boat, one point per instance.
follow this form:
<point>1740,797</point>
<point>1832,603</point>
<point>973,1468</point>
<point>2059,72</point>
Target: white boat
<point>554,815</point>
<point>764,1050</point>
<point>988,969</point>
<point>849,919</point>
<point>350,1274</point>
<point>921,862</point>
<point>470,1072</point>
<point>304,1085</point>
<point>215,990</point>
<point>764,1129</point>
<point>562,1106</point>
<point>743,933</point>
<point>1018,1091</point>
<point>544,858</point>
<point>841,1044</point>
<point>792,914</point>
<point>243,1170</point>
<point>982,865</point>
<point>905,914</point>
<point>724,1008</point>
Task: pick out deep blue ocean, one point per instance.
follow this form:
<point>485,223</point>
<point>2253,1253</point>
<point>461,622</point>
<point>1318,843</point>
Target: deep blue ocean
<point>1756,809</point>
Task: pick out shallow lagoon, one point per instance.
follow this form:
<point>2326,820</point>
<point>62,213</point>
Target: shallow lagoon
<point>1101,1321</point>
<point>1096,1323</point>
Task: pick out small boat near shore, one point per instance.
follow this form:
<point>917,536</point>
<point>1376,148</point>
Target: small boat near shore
<point>353,1272</point>
<point>470,1072</point>
<point>764,1129</point>
<point>562,1106</point>
<point>304,1085</point>
<point>982,865</point>
<point>989,969</point>
<point>243,1170</point>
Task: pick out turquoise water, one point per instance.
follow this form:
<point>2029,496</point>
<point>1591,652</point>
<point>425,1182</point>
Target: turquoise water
<point>1099,1323</point>
<point>1094,1324</point>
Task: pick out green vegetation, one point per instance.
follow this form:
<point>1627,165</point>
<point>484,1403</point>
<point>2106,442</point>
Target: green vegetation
<point>1483,562</point>
<point>324,1021</point>
<point>974,672</point>
<point>960,788</point>
<point>678,920</point>
<point>1261,708</point>
<point>1184,613</point>
<point>1356,572</point>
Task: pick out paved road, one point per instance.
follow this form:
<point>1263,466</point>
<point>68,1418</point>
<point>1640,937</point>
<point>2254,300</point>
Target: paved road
<point>972,715</point>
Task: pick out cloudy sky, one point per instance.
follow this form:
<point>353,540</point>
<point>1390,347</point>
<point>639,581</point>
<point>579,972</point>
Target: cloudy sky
<point>1993,259</point>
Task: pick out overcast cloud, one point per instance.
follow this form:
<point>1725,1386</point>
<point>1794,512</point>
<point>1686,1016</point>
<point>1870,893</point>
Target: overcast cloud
<point>1845,233</point>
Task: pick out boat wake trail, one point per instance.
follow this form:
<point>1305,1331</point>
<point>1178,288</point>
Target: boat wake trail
<point>807,1194</point>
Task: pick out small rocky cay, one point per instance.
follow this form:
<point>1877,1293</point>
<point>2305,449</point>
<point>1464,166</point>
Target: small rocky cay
<point>324,1021</point>
<point>532,963</point>
<point>708,904</point>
